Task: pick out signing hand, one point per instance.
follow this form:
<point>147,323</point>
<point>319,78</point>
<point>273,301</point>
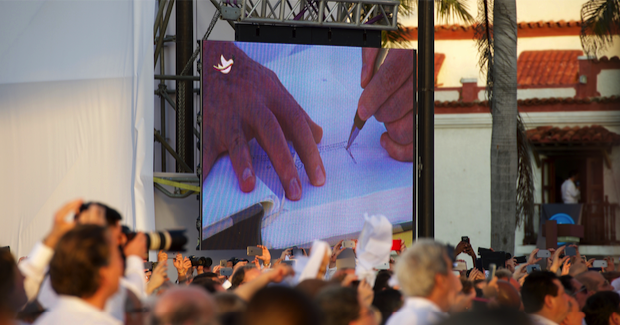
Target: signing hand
<point>250,102</point>
<point>388,96</point>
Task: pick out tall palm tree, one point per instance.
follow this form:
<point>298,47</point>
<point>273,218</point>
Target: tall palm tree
<point>600,20</point>
<point>512,185</point>
<point>503,102</point>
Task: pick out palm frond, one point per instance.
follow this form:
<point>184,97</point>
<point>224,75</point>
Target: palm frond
<point>600,20</point>
<point>395,38</point>
<point>525,177</point>
<point>483,34</point>
<point>448,10</point>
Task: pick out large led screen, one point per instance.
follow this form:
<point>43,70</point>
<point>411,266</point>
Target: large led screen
<point>276,120</point>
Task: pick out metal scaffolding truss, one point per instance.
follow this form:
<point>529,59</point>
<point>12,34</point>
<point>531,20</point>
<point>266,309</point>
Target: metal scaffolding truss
<point>367,14</point>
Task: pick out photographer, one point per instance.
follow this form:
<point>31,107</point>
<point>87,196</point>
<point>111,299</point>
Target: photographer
<point>34,268</point>
<point>85,272</point>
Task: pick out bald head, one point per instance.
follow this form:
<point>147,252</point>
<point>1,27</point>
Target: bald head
<point>184,305</point>
<point>507,295</point>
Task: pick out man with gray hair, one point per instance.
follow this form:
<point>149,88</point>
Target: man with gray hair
<point>425,276</point>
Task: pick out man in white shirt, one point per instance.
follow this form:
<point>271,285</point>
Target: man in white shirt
<point>425,276</point>
<point>570,192</point>
<point>34,268</point>
<point>544,298</point>
<point>85,272</point>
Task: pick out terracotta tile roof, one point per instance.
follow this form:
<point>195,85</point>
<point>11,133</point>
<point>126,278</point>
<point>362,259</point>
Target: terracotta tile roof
<point>533,101</point>
<point>525,29</point>
<point>550,67</point>
<point>587,135</point>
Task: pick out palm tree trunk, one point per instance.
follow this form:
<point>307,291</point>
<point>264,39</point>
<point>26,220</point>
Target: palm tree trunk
<point>504,156</point>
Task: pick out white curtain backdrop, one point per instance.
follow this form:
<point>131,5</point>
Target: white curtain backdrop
<point>76,112</point>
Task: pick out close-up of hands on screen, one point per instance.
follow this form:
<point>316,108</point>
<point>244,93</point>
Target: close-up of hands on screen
<point>388,96</point>
<point>249,102</point>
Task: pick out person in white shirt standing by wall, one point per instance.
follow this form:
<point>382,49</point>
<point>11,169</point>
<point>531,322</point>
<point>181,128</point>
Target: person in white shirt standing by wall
<point>570,188</point>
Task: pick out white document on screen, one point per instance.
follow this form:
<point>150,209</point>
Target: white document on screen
<point>325,81</point>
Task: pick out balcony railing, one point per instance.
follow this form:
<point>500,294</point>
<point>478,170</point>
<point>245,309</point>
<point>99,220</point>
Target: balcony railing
<point>599,221</point>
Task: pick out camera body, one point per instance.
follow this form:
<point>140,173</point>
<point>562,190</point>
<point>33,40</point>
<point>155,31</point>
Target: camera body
<point>201,261</point>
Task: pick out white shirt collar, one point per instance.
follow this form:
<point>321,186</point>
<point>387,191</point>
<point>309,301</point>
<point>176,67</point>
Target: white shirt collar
<point>540,320</point>
<point>77,305</point>
<point>422,303</point>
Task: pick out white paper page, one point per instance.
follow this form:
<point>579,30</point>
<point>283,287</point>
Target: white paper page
<point>222,198</point>
<point>327,86</point>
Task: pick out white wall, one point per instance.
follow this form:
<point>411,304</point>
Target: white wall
<point>608,83</point>
<point>462,171</point>
<point>462,178</point>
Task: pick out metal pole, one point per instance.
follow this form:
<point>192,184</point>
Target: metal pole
<point>185,96</point>
<point>162,105</point>
<point>426,115</point>
<point>162,30</point>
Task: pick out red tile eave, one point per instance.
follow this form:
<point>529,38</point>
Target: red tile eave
<point>525,30</point>
<point>534,105</point>
<point>594,135</point>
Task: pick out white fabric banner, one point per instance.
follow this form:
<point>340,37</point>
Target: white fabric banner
<point>76,112</point>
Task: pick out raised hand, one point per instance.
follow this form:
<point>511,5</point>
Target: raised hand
<point>60,225</point>
<point>532,259</point>
<point>556,262</point>
<point>137,246</point>
<point>266,257</point>
<point>162,256</point>
<point>180,265</point>
<point>365,294</point>
<point>250,102</point>
<point>158,277</point>
<point>566,266</point>
<point>610,264</point>
<point>335,252</point>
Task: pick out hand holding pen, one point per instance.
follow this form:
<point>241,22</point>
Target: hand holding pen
<point>389,96</point>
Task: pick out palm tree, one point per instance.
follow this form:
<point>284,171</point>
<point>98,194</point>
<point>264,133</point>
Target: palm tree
<point>512,186</point>
<point>600,20</point>
<point>503,104</point>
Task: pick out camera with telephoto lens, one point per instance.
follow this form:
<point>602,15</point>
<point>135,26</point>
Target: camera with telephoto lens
<point>167,240</point>
<point>201,261</point>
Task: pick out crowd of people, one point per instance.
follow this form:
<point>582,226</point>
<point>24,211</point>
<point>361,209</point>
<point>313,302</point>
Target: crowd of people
<point>88,271</point>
